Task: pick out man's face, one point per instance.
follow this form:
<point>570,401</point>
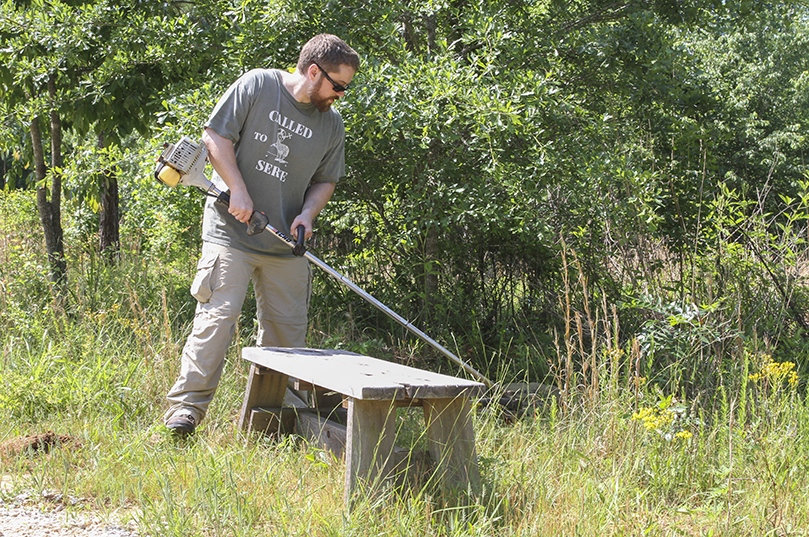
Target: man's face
<point>322,93</point>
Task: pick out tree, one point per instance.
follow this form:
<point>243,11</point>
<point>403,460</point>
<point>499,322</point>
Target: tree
<point>480,133</point>
<point>95,66</point>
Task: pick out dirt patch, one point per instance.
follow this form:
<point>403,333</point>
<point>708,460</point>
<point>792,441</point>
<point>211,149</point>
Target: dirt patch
<point>35,444</point>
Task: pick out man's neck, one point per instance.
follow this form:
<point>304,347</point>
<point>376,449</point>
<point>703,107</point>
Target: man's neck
<point>295,83</point>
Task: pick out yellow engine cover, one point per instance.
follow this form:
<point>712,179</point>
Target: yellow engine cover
<point>170,176</point>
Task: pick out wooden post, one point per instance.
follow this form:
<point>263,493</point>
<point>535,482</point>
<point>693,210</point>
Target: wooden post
<point>369,449</point>
<point>265,388</point>
<point>451,443</point>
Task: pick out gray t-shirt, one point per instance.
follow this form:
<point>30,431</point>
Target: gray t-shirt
<point>281,147</point>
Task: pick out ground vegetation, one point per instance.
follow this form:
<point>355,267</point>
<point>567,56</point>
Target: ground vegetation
<point>606,198</point>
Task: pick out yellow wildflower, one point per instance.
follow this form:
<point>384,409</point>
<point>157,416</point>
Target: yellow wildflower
<point>775,372</point>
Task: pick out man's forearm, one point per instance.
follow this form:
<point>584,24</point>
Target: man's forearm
<point>317,196</point>
<point>223,160</point>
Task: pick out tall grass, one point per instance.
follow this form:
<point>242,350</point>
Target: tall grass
<point>612,451</point>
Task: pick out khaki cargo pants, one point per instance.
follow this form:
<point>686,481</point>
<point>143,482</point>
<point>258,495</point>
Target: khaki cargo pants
<point>283,288</point>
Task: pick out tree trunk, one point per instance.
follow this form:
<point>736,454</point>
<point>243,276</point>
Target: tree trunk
<point>50,213</point>
<point>108,232</point>
<point>49,209</point>
<point>57,163</point>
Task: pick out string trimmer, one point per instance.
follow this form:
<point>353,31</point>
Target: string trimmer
<point>183,164</point>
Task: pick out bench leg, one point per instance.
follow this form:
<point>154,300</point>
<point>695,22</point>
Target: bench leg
<point>369,443</point>
<point>265,388</point>
<point>451,443</point>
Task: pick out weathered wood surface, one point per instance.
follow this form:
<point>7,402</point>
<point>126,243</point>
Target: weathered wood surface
<point>360,377</point>
<point>326,434</point>
<point>369,447</point>
<point>293,401</point>
<point>451,442</point>
<point>272,421</point>
<point>322,433</point>
<point>264,389</point>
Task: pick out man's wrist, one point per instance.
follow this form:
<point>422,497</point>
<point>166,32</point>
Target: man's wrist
<point>308,214</point>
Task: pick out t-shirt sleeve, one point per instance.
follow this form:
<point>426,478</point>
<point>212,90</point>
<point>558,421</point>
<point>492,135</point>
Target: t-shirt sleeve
<point>333,164</point>
<point>230,113</point>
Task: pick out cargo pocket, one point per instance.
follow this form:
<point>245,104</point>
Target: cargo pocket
<point>201,288</point>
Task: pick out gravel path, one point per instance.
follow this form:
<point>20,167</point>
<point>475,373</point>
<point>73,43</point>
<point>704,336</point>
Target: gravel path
<point>32,522</point>
<point>25,513</point>
<point>20,517</point>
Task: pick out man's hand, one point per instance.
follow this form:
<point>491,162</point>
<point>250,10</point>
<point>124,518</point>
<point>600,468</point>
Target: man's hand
<point>241,205</point>
<point>299,221</point>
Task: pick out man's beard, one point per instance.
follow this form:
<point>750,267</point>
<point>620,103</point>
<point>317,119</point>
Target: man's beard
<point>321,103</point>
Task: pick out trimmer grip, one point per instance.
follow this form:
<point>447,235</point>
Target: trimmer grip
<point>258,221</point>
<point>300,248</point>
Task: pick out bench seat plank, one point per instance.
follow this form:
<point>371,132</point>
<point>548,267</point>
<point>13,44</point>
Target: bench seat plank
<point>360,377</point>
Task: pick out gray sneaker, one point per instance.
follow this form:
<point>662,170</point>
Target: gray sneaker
<point>182,425</point>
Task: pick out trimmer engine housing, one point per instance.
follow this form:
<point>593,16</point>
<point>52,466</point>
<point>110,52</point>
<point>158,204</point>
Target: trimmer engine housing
<point>183,163</point>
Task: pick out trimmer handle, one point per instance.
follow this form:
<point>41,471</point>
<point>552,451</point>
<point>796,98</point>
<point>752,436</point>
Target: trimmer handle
<point>300,248</point>
<point>224,198</point>
<point>258,220</point>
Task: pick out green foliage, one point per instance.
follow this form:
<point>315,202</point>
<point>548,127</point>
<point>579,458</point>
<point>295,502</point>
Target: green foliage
<point>95,363</point>
<point>659,143</point>
<point>22,259</point>
<point>51,384</point>
<point>110,60</point>
<point>683,346</point>
<point>98,373</point>
<point>91,357</point>
<point>609,196</point>
<point>96,69</point>
<point>757,73</point>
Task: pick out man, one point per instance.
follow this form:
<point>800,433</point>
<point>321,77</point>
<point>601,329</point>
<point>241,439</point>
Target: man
<point>278,146</point>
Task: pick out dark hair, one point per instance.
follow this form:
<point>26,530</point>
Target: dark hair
<point>329,51</point>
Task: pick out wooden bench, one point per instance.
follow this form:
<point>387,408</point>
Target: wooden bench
<point>372,390</point>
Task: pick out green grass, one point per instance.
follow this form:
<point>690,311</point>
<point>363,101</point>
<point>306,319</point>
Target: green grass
<point>590,469</point>
<point>604,459</point>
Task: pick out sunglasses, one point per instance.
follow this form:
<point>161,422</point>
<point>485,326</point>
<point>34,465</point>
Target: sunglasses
<point>338,88</point>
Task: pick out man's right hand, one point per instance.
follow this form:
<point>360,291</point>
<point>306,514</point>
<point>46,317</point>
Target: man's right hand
<point>241,205</point>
